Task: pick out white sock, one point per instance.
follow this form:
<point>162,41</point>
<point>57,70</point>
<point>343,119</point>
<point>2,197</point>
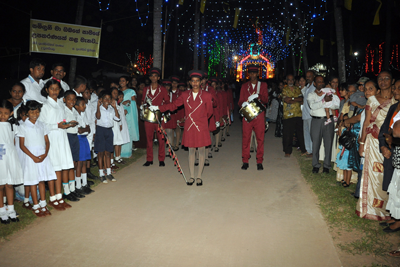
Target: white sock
<point>84,179</point>
<point>42,203</point>
<point>4,200</point>
<point>58,196</point>
<point>26,200</point>
<point>94,155</point>
<point>112,161</point>
<point>108,171</point>
<point>72,185</point>
<point>101,172</point>
<point>3,212</point>
<point>11,213</point>
<point>78,182</point>
<point>117,158</point>
<point>36,208</point>
<point>66,189</point>
<point>53,198</point>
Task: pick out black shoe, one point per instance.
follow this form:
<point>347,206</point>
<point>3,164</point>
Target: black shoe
<point>223,139</point>
<point>251,150</point>
<point>77,195</point>
<point>216,149</point>
<point>385,224</point>
<point>70,197</point>
<point>90,183</point>
<point>14,220</point>
<point>92,176</point>
<point>196,163</point>
<point>260,167</point>
<point>148,163</point>
<point>206,163</point>
<point>245,166</point>
<point>227,134</point>
<point>168,156</point>
<point>5,221</point>
<point>209,155</point>
<point>219,145</point>
<point>388,230</point>
<point>87,189</point>
<point>200,183</point>
<point>161,164</point>
<point>315,170</point>
<point>190,182</point>
<point>326,170</point>
<point>81,191</point>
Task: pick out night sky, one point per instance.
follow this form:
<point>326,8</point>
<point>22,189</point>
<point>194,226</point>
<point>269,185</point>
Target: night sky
<point>122,33</point>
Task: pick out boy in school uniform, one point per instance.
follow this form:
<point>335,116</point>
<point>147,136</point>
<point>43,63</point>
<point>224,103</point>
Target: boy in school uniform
<point>71,115</point>
<point>82,185</point>
<point>106,112</point>
<point>79,85</point>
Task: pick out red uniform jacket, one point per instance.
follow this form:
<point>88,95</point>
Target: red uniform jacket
<point>211,122</point>
<point>160,95</point>
<point>171,124</point>
<point>247,90</point>
<point>196,133</point>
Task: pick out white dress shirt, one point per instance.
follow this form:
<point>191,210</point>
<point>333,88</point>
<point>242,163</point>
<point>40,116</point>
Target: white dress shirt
<point>317,104</point>
<point>90,116</point>
<point>107,117</point>
<point>82,120</point>
<point>306,108</point>
<point>71,115</point>
<point>33,89</point>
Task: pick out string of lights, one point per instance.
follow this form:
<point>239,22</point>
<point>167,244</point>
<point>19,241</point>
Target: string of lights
<point>107,7</point>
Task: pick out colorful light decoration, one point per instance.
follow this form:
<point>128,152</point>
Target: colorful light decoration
<point>370,58</point>
<point>143,64</point>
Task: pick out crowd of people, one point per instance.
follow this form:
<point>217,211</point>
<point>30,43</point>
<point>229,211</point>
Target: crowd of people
<point>51,134</point>
<point>360,129</point>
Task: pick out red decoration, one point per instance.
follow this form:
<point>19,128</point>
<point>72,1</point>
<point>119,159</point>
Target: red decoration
<point>143,64</point>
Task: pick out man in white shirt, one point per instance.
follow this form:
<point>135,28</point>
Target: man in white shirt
<point>58,73</point>
<point>320,131</point>
<point>34,83</point>
<point>306,112</point>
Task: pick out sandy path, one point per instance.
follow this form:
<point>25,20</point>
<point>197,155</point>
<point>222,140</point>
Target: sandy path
<point>149,217</point>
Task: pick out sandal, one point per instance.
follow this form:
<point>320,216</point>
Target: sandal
<point>345,184</point>
<point>46,211</point>
<point>38,212</point>
<point>57,205</point>
<point>395,253</point>
<point>27,206</point>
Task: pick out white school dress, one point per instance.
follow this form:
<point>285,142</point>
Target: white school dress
<point>125,130</point>
<point>59,153</point>
<point>90,118</point>
<point>33,135</point>
<point>117,132</point>
<point>16,138</point>
<point>10,167</point>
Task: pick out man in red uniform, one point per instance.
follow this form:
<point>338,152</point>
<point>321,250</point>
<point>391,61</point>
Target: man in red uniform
<point>251,90</point>
<point>158,95</point>
<point>198,109</point>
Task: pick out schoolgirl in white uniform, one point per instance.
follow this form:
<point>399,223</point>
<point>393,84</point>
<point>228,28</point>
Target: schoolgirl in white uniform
<point>11,171</point>
<point>37,168</point>
<point>53,116</point>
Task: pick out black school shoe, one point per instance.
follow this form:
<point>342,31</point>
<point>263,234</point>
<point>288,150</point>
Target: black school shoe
<point>70,197</point>
<point>245,166</point>
<point>315,170</point>
<point>260,167</point>
<point>87,189</point>
<point>77,195</point>
<point>81,191</point>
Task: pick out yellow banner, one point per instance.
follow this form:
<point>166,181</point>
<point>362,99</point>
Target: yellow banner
<point>348,4</point>
<point>202,6</point>
<point>65,39</point>
<point>376,18</point>
<point>235,22</point>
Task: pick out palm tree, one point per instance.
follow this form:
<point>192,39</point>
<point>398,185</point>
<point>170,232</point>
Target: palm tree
<point>340,41</point>
<point>157,33</point>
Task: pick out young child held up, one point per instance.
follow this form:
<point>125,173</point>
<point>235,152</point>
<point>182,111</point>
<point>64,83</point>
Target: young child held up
<point>327,105</point>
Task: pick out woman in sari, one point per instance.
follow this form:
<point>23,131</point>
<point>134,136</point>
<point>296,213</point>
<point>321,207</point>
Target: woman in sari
<point>129,104</point>
<point>372,202</point>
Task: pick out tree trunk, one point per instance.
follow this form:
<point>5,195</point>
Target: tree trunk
<point>175,55</point>
<point>157,33</point>
<point>196,37</point>
<point>302,36</point>
<point>340,41</point>
<point>388,43</point>
<point>73,61</point>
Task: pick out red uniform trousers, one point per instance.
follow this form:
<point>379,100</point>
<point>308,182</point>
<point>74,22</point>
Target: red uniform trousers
<point>258,125</point>
<point>150,128</point>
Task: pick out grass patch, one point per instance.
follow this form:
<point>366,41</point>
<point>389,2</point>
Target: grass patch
<point>26,217</point>
<point>338,207</point>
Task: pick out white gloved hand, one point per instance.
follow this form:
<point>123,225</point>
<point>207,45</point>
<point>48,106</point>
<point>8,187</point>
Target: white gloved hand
<point>153,108</point>
<point>141,107</point>
<point>217,124</point>
<point>245,104</point>
<point>252,97</point>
